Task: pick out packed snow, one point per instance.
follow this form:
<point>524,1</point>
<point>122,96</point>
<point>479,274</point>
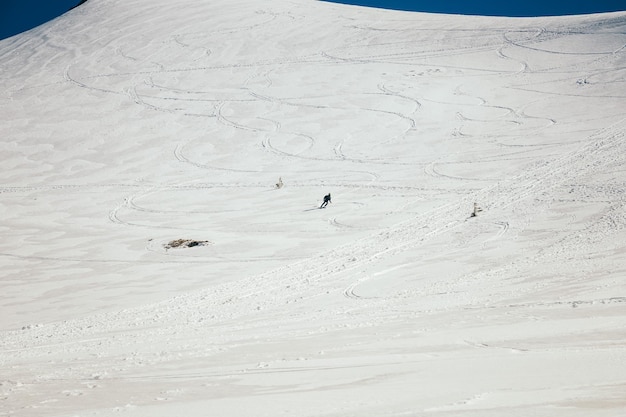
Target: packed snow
<point>163,252</point>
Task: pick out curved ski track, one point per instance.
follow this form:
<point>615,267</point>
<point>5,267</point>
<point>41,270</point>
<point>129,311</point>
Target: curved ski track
<point>315,277</point>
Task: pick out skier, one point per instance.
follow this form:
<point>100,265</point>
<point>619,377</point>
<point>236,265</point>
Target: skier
<point>477,210</point>
<point>326,200</point>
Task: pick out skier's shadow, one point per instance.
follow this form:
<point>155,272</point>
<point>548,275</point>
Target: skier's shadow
<point>311,209</point>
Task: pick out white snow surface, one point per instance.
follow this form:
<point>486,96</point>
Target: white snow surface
<point>129,124</point>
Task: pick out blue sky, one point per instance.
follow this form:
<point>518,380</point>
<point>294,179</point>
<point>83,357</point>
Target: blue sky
<point>20,15</point>
<point>497,8</point>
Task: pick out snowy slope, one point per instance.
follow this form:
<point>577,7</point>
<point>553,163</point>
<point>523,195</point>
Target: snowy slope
<point>127,125</point>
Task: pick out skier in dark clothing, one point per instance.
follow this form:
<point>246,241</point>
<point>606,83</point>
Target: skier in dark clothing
<point>326,200</point>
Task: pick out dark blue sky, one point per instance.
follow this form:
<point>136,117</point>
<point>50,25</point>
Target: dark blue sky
<point>20,15</point>
<point>17,16</point>
<point>497,8</point>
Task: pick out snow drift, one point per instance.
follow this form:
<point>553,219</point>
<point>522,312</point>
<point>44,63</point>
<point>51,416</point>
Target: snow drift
<point>129,125</point>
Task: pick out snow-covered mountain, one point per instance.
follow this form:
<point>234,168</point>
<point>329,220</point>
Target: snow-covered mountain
<point>132,128</point>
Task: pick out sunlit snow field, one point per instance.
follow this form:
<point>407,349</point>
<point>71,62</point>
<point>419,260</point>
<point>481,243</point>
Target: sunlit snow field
<point>128,125</point>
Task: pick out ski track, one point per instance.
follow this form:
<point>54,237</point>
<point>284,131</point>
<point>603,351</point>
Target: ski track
<point>136,337</point>
<point>314,277</point>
